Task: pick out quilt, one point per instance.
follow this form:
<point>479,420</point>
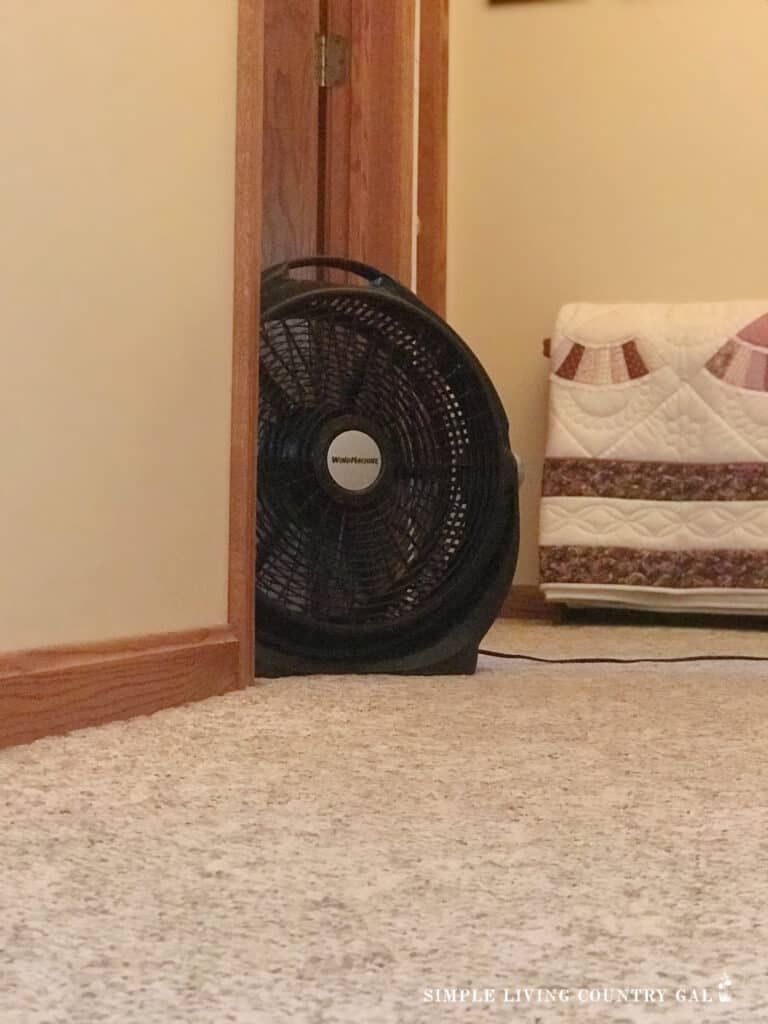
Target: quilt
<point>655,485</point>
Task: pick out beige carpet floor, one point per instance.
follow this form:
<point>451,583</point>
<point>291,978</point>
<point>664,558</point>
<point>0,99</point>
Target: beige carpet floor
<point>353,850</point>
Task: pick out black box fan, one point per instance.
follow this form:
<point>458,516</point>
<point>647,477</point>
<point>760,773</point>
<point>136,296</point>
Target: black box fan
<point>387,515</point>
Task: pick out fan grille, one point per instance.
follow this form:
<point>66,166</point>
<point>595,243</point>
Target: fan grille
<point>329,565</point>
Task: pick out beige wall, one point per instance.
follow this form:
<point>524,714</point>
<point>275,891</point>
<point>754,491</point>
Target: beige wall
<point>116,205</point>
<point>601,150</point>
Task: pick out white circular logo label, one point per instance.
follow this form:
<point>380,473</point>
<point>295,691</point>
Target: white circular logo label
<point>354,460</point>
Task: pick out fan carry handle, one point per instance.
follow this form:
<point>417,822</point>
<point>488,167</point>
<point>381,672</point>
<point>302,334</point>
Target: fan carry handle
<point>376,278</point>
<point>364,270</point>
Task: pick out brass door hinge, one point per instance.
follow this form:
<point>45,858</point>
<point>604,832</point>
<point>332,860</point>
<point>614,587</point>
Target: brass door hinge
<point>332,60</point>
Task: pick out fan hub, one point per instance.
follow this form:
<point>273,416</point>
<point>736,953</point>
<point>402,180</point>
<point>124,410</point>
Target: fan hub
<point>354,461</point>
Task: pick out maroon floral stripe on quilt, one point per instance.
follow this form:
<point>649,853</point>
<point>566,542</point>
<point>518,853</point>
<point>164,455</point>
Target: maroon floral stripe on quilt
<point>657,481</point>
<point>630,567</point>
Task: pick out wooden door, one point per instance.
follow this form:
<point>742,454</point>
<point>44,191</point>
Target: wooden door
<point>291,174</point>
<point>339,162</point>
<point>370,136</point>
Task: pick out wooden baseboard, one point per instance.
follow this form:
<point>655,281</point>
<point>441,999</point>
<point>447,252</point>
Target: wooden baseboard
<point>56,690</point>
<point>528,602</point>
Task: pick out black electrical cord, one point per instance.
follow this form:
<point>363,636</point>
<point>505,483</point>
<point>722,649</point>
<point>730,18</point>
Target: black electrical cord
<point>622,661</point>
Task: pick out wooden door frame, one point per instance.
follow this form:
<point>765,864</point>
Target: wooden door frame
<point>247,287</point>
<point>432,240</point>
<point>56,690</point>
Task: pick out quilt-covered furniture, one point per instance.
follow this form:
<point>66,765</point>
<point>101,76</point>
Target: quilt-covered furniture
<point>655,489</point>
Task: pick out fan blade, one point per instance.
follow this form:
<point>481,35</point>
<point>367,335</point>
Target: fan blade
<point>274,392</point>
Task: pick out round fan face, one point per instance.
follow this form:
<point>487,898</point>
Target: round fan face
<point>380,472</point>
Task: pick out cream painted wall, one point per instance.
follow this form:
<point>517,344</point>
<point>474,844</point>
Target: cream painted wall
<point>600,150</point>
<point>117,125</point>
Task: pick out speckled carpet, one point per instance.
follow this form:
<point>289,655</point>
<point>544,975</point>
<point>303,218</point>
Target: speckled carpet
<point>553,842</point>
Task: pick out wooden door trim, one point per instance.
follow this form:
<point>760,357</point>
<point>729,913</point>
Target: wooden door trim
<point>56,690</point>
<point>432,241</point>
<point>248,215</point>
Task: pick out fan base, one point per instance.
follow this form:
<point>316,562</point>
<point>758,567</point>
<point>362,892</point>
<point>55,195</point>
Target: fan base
<point>271,664</point>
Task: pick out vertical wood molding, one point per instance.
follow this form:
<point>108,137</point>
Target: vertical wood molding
<point>432,245</point>
<point>248,213</point>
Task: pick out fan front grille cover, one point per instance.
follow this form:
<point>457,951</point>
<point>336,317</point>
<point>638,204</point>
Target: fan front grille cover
<point>381,472</point>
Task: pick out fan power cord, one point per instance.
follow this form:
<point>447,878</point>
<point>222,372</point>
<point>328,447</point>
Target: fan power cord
<point>621,661</point>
